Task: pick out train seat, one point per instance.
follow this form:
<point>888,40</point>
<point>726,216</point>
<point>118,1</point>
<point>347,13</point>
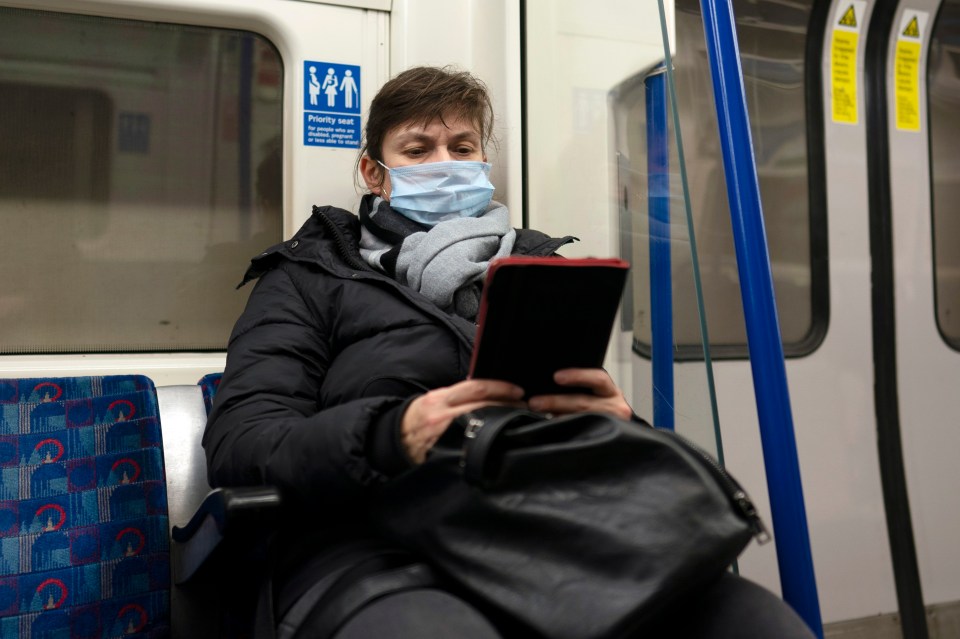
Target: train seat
<point>218,535</point>
<point>96,474</point>
<point>84,546</point>
<point>208,388</point>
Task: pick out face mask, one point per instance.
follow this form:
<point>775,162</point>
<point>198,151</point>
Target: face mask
<point>436,191</point>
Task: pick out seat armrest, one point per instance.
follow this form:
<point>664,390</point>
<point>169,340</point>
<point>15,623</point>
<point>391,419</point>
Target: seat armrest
<point>237,512</point>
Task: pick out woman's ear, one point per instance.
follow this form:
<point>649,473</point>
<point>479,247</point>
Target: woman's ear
<point>372,174</point>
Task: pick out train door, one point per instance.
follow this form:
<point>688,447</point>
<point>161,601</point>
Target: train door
<point>852,350</point>
<point>922,80</point>
<point>822,288</point>
<point>589,69</point>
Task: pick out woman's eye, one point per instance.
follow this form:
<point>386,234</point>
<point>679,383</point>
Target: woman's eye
<point>465,150</point>
<point>414,153</point>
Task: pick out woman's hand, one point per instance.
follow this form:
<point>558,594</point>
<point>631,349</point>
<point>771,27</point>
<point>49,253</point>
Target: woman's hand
<point>429,415</point>
<point>605,397</point>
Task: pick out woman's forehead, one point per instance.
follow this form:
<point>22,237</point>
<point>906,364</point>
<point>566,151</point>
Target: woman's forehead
<point>455,127</point>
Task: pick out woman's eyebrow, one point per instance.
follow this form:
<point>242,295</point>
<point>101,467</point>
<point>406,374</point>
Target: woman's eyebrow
<point>420,136</point>
<point>413,136</point>
<point>471,136</point>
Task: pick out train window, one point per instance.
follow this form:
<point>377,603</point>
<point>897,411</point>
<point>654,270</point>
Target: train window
<point>943,83</point>
<point>773,40</point>
<point>140,169</point>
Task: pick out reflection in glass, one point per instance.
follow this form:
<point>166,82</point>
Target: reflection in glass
<point>139,172</point>
<point>772,39</point>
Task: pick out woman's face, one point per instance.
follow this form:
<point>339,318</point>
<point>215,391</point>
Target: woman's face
<point>418,144</point>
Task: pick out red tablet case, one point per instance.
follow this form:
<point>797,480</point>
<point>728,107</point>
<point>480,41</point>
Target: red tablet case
<point>540,314</point>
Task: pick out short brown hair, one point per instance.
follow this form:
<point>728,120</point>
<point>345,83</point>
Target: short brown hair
<point>421,95</point>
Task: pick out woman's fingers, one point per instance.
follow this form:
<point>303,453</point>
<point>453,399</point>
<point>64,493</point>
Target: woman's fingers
<point>596,379</point>
<point>577,403</point>
<point>603,395</point>
<point>430,414</point>
<point>476,390</point>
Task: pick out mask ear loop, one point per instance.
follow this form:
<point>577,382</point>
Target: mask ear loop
<point>383,193</point>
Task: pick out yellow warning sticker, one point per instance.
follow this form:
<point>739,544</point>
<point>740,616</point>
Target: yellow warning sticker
<point>907,82</point>
<point>906,70</point>
<point>913,29</point>
<point>844,50</point>
<point>849,17</point>
<point>843,76</point>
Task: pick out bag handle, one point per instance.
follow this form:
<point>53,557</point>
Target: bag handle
<point>481,430</point>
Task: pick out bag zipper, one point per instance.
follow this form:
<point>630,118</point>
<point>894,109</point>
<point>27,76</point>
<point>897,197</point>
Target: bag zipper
<point>733,489</point>
<point>470,432</point>
<point>737,495</point>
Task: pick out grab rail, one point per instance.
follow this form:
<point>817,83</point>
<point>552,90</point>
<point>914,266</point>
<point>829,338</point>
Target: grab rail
<point>763,328</point>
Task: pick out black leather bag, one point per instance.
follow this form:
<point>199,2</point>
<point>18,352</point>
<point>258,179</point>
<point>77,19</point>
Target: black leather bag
<point>581,526</point>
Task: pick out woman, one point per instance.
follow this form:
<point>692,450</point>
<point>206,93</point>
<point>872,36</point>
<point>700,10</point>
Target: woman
<point>350,359</point>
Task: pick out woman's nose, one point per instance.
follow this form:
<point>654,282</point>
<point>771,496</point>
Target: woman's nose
<point>442,154</point>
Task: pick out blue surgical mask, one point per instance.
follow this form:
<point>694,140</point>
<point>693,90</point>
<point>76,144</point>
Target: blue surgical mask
<point>436,191</point>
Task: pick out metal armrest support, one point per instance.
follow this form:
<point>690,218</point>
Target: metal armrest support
<point>234,511</point>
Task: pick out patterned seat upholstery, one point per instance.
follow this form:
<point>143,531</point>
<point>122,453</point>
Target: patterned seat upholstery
<point>208,386</point>
<point>84,547</point>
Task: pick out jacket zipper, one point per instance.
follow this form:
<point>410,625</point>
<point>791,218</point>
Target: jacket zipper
<point>331,226</point>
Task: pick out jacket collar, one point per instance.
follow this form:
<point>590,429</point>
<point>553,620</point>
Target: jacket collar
<point>331,238</point>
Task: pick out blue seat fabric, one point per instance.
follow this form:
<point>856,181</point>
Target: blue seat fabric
<point>84,547</point>
<point>208,387</point>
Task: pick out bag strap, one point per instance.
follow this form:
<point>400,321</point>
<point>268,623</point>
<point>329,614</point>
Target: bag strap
<point>481,430</point>
<point>343,567</point>
<point>335,609</point>
<point>263,619</point>
<point>291,623</point>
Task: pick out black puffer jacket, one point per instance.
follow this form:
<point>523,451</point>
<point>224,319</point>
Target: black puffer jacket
<point>322,364</point>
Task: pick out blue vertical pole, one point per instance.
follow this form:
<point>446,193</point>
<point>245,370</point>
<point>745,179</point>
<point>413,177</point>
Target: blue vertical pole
<point>661,293</point>
<point>763,329</point>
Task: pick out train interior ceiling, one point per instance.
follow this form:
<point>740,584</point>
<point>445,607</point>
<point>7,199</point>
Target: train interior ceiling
<point>148,150</point>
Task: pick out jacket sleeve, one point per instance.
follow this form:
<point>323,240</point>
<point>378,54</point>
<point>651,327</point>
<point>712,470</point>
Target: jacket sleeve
<point>266,426</point>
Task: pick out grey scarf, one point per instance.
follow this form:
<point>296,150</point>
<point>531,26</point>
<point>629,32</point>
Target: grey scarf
<point>445,263</point>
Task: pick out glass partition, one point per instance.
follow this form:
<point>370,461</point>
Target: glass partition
<point>772,38</point>
<point>590,174</point>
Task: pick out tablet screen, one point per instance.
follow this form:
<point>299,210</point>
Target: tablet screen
<point>538,315</point>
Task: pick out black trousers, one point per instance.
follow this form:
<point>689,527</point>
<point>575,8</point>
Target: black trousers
<point>730,608</point>
<point>305,593</point>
